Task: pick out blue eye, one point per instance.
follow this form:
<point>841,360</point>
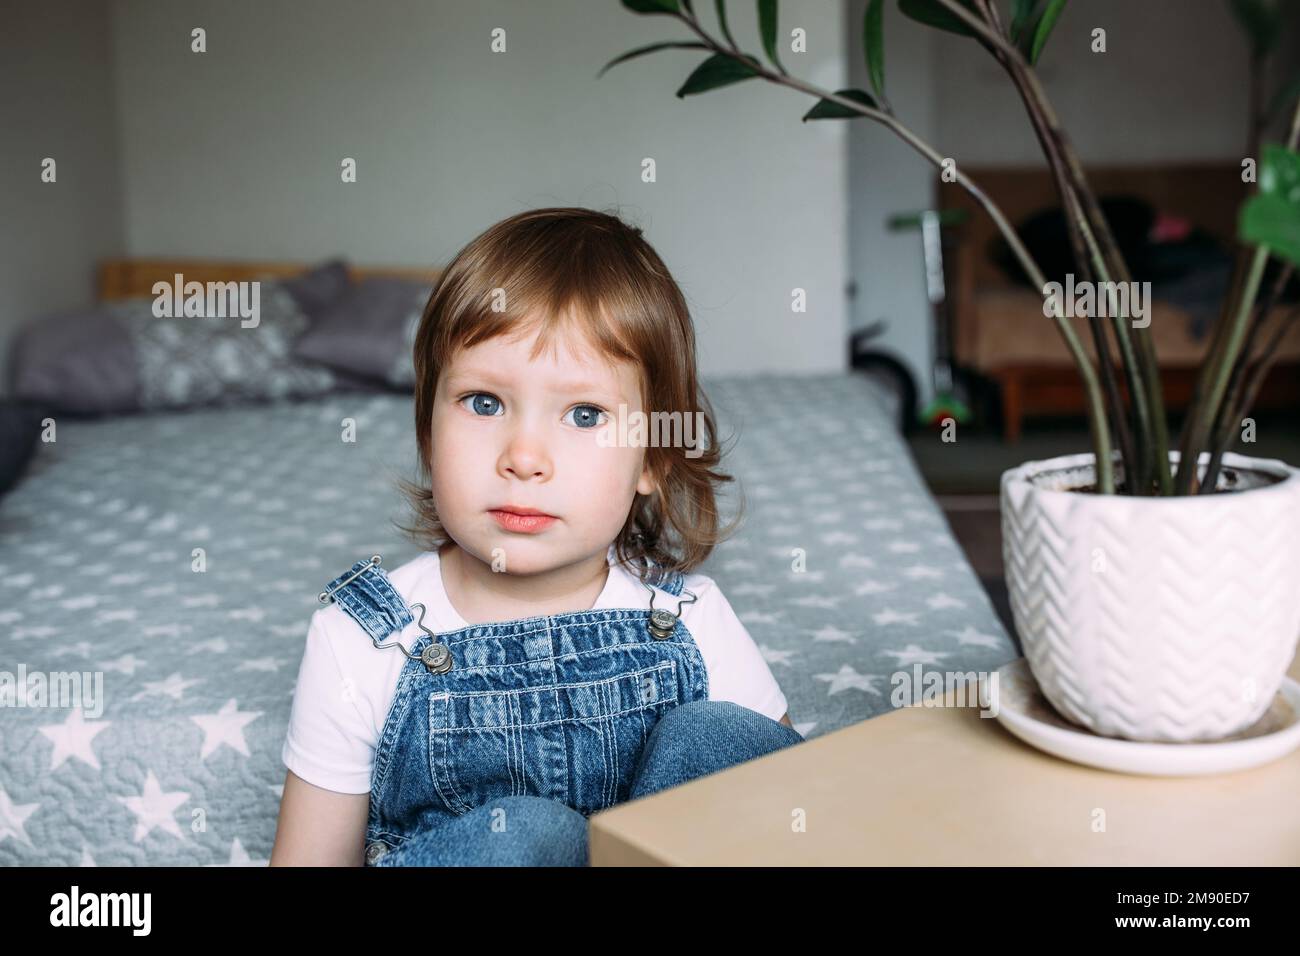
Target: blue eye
<point>484,405</point>
<point>587,416</point>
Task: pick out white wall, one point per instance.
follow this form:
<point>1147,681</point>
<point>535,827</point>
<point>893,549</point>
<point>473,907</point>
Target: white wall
<point>236,152</point>
<point>886,177</point>
<point>1172,85</point>
<point>55,101</point>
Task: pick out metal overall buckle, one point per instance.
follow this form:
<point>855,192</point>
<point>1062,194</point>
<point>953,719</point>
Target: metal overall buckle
<point>663,622</point>
<point>436,657</point>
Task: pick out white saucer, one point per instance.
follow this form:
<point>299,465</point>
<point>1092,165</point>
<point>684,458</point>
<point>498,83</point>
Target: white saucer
<point>1022,709</point>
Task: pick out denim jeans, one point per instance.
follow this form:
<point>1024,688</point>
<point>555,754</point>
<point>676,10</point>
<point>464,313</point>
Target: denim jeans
<point>690,741</point>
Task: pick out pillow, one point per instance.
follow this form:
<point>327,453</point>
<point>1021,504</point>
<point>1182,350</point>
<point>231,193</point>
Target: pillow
<point>20,426</point>
<point>213,360</point>
<point>370,331</point>
<point>86,362</point>
<point>317,289</point>
<point>81,363</point>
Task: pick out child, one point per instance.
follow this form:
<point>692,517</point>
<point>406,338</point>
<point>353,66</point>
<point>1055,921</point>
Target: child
<point>550,654</point>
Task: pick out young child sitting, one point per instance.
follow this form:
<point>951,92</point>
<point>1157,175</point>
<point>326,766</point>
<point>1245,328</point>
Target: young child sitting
<point>552,652</point>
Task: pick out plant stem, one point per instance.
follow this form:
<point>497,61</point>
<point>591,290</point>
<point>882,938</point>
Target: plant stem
<point>1096,410</point>
<point>1141,370</point>
<point>1218,367</point>
<point>1240,395</point>
<point>1205,413</point>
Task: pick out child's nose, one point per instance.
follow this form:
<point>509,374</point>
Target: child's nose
<point>525,458</point>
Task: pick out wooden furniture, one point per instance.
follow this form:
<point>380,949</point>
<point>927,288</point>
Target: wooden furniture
<point>999,330</point>
<point>125,278</point>
<point>943,786</point>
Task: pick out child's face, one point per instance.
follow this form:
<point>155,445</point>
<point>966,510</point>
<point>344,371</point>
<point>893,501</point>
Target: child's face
<point>511,432</point>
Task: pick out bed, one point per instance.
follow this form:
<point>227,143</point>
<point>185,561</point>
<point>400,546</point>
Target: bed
<point>97,558</point>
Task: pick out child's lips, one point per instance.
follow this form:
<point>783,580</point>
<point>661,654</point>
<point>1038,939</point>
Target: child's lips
<point>524,524</point>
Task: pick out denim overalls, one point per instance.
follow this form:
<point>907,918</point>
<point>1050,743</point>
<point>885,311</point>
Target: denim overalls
<point>556,706</point>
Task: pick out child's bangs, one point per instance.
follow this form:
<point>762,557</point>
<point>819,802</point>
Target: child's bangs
<point>573,317</point>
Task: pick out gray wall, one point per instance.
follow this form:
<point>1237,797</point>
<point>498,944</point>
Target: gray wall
<point>236,152</point>
<point>1172,84</point>
<point>56,100</point>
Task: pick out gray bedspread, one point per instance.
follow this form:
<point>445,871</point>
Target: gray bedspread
<point>179,556</point>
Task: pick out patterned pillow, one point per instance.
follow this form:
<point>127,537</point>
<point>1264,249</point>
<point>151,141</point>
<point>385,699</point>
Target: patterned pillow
<point>214,360</point>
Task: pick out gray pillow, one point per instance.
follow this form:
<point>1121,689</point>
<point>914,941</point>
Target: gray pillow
<point>317,289</point>
<point>87,362</point>
<point>81,363</point>
<point>370,331</point>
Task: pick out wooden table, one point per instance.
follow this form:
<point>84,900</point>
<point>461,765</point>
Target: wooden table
<point>944,786</point>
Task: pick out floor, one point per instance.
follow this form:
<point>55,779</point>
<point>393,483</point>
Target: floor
<point>964,474</point>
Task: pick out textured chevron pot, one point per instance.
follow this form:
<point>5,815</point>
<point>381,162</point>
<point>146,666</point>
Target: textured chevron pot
<point>1159,619</point>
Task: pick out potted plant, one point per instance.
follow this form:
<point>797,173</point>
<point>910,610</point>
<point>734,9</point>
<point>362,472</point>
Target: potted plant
<point>1154,601</point>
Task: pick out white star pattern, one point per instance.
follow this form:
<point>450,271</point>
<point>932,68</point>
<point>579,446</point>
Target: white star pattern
<point>915,655</point>
<point>890,616</point>
<point>971,636</point>
<point>239,857</point>
<point>72,738</point>
<point>268,664</point>
<point>846,678</point>
<point>226,726</point>
<point>773,656</point>
<point>173,687</point>
<point>831,633</point>
<point>154,808</point>
<point>126,664</point>
<point>13,816</point>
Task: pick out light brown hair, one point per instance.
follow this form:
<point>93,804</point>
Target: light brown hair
<point>590,273</point>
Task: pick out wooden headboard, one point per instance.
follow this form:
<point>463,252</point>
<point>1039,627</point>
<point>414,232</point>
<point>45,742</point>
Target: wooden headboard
<point>126,278</point>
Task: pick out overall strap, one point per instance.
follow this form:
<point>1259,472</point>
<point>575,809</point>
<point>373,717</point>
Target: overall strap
<point>369,598</point>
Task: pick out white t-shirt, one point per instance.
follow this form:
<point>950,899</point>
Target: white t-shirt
<point>346,685</point>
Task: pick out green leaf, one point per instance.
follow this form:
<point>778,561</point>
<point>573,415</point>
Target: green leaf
<point>1272,217</point>
<point>829,109</point>
<point>1024,14</point>
<point>1262,22</point>
<point>718,70</point>
<point>652,6</point>
<point>873,44</point>
<point>1279,174</point>
<point>934,14</point>
<point>767,30</point>
<point>641,51</point>
<point>1044,28</point>
<point>1270,222</point>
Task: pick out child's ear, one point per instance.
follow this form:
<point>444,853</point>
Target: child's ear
<point>647,484</point>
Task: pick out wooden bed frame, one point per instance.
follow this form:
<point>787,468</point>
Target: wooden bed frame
<point>126,278</point>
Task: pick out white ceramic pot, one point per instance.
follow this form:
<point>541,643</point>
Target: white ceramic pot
<point>1160,619</point>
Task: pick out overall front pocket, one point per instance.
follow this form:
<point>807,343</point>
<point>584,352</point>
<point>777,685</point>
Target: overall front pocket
<point>485,745</point>
<point>578,743</point>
